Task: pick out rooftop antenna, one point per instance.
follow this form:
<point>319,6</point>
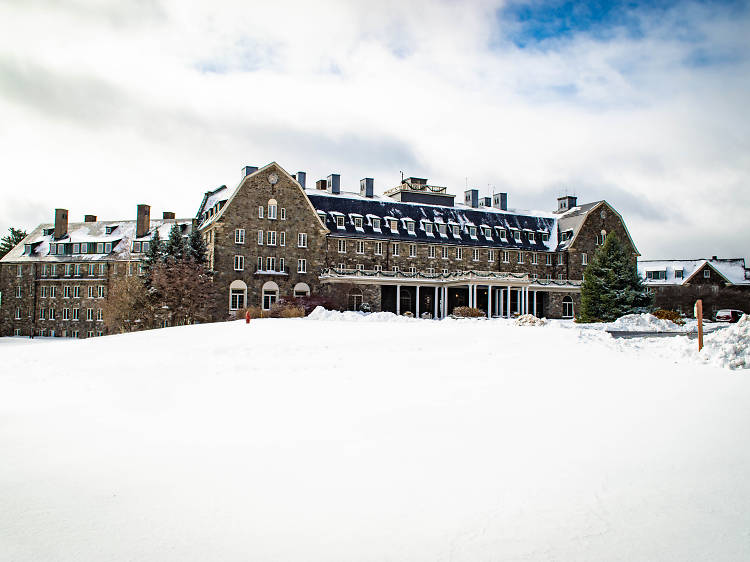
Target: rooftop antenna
<point>402,176</point>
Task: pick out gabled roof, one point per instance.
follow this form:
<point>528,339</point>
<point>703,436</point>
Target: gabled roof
<point>575,217</point>
<point>732,270</point>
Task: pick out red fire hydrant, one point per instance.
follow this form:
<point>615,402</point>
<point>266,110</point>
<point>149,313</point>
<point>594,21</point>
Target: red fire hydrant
<point>247,317</point>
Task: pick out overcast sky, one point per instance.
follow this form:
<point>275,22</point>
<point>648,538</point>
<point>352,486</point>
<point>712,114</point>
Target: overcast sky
<point>104,106</point>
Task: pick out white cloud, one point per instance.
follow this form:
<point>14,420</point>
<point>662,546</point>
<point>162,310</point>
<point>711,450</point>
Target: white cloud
<point>109,106</point>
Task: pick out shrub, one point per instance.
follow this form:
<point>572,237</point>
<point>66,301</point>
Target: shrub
<point>309,304</point>
<point>468,312</point>
<point>255,312</point>
<point>290,311</point>
<point>672,315</point>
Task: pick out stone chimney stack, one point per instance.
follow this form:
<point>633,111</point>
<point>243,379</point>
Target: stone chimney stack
<point>143,220</point>
<point>301,179</point>
<point>61,223</point>
<point>367,187</point>
<point>89,218</point>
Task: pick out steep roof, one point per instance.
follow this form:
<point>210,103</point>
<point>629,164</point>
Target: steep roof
<point>732,270</point>
<point>352,205</point>
<point>573,220</point>
<point>121,238</point>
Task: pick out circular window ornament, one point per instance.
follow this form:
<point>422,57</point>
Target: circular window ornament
<point>603,214</point>
<point>273,179</point>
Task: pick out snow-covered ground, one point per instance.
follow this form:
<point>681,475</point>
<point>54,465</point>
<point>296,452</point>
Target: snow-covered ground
<point>371,439</point>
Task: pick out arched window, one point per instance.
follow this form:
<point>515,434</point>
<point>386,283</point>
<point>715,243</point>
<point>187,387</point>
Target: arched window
<point>301,290</point>
<point>237,294</point>
<point>567,305</point>
<point>272,207</point>
<point>355,298</point>
<point>270,294</point>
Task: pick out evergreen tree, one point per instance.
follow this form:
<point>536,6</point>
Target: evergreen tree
<point>154,255</point>
<point>196,249</point>
<point>175,247</point>
<point>611,285</point>
<point>10,241</point>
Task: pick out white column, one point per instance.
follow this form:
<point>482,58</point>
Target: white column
<point>445,301</point>
<point>535,303</point>
<point>502,293</point>
<point>525,300</point>
<point>398,300</point>
<point>417,309</point>
<point>489,301</point>
<point>471,295</point>
<point>509,301</point>
<point>436,302</point>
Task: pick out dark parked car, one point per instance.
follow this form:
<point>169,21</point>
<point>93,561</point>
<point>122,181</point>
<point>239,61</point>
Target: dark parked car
<point>728,315</point>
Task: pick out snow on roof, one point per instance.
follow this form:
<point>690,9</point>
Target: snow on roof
<point>733,270</point>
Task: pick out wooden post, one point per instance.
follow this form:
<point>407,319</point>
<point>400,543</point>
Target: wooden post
<point>699,317</point>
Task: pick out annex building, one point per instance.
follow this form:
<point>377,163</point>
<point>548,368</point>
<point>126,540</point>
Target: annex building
<point>414,248</point>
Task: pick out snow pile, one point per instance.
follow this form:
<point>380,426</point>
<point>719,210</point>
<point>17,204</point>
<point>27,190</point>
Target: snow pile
<point>530,320</point>
<point>729,347</point>
<point>644,323</point>
<point>321,313</point>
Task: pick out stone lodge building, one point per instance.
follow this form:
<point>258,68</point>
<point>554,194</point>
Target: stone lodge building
<point>677,284</point>
<point>412,249</point>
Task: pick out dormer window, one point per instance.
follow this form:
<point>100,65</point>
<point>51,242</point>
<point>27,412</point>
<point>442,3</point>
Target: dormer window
<point>531,237</point>
<point>339,221</point>
<point>473,232</point>
<point>322,216</point>
<point>502,234</point>
<point>393,224</point>
<point>110,229</point>
<point>428,228</point>
<point>76,248</point>
<point>678,273</point>
<point>48,231</point>
<point>456,233</point>
<point>545,237</point>
<point>376,224</point>
<point>443,230</point>
<point>100,247</point>
<point>107,247</point>
<point>487,232</point>
<point>516,235</point>
<point>410,227</point>
<point>144,246</point>
<point>136,247</point>
<point>358,223</point>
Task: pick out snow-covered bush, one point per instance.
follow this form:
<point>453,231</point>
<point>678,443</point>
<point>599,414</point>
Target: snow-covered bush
<point>671,315</point>
<point>468,312</point>
<point>530,320</point>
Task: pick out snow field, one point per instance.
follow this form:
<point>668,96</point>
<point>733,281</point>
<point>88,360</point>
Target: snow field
<point>371,439</point>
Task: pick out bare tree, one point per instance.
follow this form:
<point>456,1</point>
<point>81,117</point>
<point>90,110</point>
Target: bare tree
<point>128,306</point>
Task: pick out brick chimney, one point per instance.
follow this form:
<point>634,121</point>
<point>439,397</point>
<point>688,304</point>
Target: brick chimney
<point>143,220</point>
<point>61,223</point>
<point>167,215</point>
<point>89,218</point>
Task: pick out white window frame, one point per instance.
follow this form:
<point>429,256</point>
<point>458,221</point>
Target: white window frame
<point>475,254</point>
<point>260,211</point>
<point>260,237</point>
<point>534,259</point>
<point>360,246</point>
<point>506,256</point>
<point>521,258</point>
<point>412,250</point>
<point>302,240</point>
<point>459,253</point>
<point>584,259</point>
<point>431,251</point>
<point>340,221</point>
<point>342,246</point>
<point>395,249</point>
<point>239,263</point>
<point>282,238</point>
<point>378,248</point>
<point>270,238</point>
<point>444,253</point>
<point>301,265</point>
<point>549,259</point>
<point>272,211</point>
<point>239,235</point>
<point>491,256</point>
<point>282,213</point>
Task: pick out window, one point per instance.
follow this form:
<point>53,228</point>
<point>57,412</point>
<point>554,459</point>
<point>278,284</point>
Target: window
<point>271,238</point>
<point>491,256</point>
<point>560,277</point>
<point>431,251</point>
<point>42,313</point>
<point>272,209</point>
<point>19,271</point>
<point>376,224</point>
<point>74,334</point>
<point>473,231</point>
<point>502,234</point>
<point>378,268</point>
<point>17,332</point>
<point>44,270</point>
<point>91,291</point>
<point>100,291</point>
<point>516,235</point>
<point>531,236</point>
<point>76,313</point>
<point>301,290</point>
<point>360,267</point>
<point>239,263</point>
<point>53,292</point>
<point>236,299</point>
<point>78,270</point>
<point>239,236</point>
<point>445,253</point>
<point>393,223</point>
<point>360,246</point>
<point>101,269</point>
<point>136,246</point>
<point>19,292</point>
<point>412,270</point>
<point>455,231</point>
<point>100,248</point>
<point>487,232</point>
<point>260,263</point>
<point>51,313</point>
<point>378,248</point>
<point>66,292</point>
<point>68,270</point>
<point>601,237</point>
<point>656,275</point>
<point>534,259</point>
<point>443,230</point>
<point>45,291</point>
<point>545,237</point>
<point>282,264</point>
<point>549,259</point>
<point>534,276</point>
<point>678,273</point>
<point>358,223</point>
<point>77,292</point>
<point>459,253</point>
<point>395,249</point>
<point>506,257</point>
<point>271,263</point>
<point>145,246</point>
<point>301,266</point>
<point>342,246</point>
<point>270,294</point>
<point>66,314</point>
<point>282,214</point>
<point>410,227</point>
<point>475,254</point>
<point>395,269</point>
<point>431,271</point>
<point>445,271</point>
<point>108,247</point>
<point>560,259</point>
<point>90,334</point>
<point>339,221</point>
<point>412,250</point>
<point>567,304</point>
<point>92,267</point>
<point>706,273</point>
<point>584,259</point>
<point>302,240</point>
<point>99,315</point>
<point>520,257</point>
<point>428,228</point>
<point>260,212</point>
<point>260,237</point>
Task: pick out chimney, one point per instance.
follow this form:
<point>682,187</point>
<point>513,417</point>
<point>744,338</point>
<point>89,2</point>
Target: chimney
<point>334,184</point>
<point>320,184</point>
<point>471,198</point>
<point>500,201</point>
<point>566,203</point>
<point>61,223</point>
<point>143,221</point>
<point>301,179</point>
<point>247,170</point>
<point>367,187</point>
<point>715,258</point>
<point>89,218</point>
<point>167,215</point>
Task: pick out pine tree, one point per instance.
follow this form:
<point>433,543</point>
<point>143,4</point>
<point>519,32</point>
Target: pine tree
<point>10,241</point>
<point>154,255</point>
<point>175,247</point>
<point>196,249</point>
<point>611,285</point>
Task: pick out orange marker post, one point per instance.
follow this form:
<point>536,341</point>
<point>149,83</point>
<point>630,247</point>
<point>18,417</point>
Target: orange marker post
<point>699,317</point>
